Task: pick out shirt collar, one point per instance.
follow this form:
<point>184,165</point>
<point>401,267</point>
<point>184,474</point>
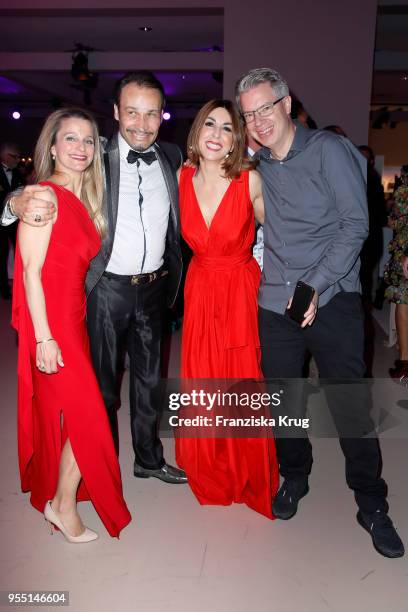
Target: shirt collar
<point>302,136</point>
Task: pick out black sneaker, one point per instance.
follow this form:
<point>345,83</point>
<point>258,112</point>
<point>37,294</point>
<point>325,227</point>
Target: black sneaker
<point>285,504</point>
<point>385,537</point>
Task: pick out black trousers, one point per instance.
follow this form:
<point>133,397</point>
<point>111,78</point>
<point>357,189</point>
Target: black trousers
<point>336,341</point>
<point>124,317</point>
<point>7,236</point>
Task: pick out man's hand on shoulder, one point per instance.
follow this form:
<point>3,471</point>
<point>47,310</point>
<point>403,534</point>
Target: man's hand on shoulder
<point>35,202</point>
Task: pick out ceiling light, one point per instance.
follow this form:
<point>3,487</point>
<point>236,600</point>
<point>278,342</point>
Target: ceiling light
<point>79,69</point>
<point>16,115</point>
<point>166,116</point>
<point>145,29</point>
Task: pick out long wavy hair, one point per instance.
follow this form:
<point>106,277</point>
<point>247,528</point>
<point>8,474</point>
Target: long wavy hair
<point>237,160</point>
<point>93,181</point>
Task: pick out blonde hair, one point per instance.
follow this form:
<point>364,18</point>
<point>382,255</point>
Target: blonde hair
<point>93,182</point>
<point>237,159</point>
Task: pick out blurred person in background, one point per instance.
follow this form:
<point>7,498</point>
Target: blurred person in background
<point>394,275</point>
<point>377,219</point>
<point>10,179</point>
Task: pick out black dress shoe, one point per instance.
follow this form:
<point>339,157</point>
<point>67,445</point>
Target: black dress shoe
<point>167,473</point>
<point>285,504</point>
<point>385,537</point>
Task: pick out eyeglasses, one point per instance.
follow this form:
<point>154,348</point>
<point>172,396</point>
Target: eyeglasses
<point>263,111</point>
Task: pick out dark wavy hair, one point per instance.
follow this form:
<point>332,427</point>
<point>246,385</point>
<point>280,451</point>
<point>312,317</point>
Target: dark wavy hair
<point>237,160</point>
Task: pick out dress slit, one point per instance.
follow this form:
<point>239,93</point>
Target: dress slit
<point>66,405</point>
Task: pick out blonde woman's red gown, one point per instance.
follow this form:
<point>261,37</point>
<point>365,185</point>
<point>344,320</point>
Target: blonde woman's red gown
<point>220,340</point>
<point>52,407</point>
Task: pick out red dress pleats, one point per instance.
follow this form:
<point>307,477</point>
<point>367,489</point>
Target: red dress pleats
<point>220,340</point>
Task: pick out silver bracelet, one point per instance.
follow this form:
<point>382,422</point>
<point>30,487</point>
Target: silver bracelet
<point>44,341</point>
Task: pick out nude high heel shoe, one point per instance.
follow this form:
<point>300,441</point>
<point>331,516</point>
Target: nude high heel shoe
<point>52,519</point>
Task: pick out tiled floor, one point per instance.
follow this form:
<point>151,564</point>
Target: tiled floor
<point>177,556</point>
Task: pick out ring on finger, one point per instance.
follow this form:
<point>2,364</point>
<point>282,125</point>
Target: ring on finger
<point>37,218</point>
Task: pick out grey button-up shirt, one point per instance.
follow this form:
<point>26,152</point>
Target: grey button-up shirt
<point>316,217</point>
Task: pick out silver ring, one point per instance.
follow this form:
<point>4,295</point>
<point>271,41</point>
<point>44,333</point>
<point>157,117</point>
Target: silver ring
<point>42,368</point>
<point>37,218</point>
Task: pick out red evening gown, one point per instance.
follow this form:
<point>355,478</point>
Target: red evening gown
<point>54,407</point>
<point>220,340</point>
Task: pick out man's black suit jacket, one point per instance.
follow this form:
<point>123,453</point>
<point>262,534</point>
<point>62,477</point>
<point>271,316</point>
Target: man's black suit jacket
<point>170,159</point>
<point>5,187</point>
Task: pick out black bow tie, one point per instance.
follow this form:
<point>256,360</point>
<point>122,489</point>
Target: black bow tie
<point>147,156</point>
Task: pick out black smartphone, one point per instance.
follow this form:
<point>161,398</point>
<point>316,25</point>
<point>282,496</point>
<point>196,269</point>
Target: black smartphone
<point>301,301</point>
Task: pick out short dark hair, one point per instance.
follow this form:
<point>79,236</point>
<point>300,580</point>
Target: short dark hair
<point>335,129</point>
<point>366,149</point>
<point>142,78</point>
<point>5,146</point>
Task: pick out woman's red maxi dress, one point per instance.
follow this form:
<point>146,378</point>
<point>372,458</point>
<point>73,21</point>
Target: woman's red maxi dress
<point>220,340</point>
<point>52,407</point>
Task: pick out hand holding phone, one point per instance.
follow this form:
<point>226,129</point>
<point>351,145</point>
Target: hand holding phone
<point>301,301</point>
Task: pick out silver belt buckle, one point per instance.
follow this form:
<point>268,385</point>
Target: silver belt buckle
<point>134,280</point>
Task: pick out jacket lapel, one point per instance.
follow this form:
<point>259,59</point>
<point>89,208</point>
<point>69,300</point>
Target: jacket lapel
<point>112,177</point>
<point>16,180</point>
<point>170,179</point>
<point>3,180</point>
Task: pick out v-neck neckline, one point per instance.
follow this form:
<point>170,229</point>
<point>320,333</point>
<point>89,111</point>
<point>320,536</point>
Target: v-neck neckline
<point>208,227</point>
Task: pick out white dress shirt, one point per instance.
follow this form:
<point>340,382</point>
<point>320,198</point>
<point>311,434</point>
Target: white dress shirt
<point>258,248</point>
<point>7,218</point>
<point>140,236</point>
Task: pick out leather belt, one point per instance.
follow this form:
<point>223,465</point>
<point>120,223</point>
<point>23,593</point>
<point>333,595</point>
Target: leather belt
<point>137,279</point>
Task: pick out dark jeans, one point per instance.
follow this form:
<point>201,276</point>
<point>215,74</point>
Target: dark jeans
<point>124,317</point>
<point>336,341</point>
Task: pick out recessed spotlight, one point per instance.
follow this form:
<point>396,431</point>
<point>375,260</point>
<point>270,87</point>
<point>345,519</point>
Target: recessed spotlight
<point>145,29</point>
<point>183,77</point>
<point>405,78</point>
<point>16,115</point>
<point>166,116</point>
